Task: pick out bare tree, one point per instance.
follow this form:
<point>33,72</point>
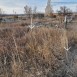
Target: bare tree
<point>35,10</point>
<point>76,9</point>
<point>0,11</point>
<point>26,9</point>
<point>30,11</point>
<point>64,11</point>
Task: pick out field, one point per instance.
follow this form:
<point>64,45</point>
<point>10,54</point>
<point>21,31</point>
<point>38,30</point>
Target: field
<point>38,52</point>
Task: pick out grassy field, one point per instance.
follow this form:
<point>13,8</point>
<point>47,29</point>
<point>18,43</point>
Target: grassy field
<point>35,53</point>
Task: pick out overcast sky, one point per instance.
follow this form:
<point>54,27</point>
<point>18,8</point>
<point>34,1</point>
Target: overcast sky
<point>18,5</point>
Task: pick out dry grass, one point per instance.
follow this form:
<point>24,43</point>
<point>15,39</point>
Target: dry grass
<point>31,54</point>
<point>72,37</point>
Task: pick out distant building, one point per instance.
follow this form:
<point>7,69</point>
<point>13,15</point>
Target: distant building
<point>48,9</point>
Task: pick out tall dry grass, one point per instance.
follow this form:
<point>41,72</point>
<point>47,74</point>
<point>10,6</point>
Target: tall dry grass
<point>33,53</point>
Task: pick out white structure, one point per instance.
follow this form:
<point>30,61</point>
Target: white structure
<point>31,26</point>
<point>67,49</point>
<point>48,9</point>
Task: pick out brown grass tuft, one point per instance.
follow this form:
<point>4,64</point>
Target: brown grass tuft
<point>33,53</point>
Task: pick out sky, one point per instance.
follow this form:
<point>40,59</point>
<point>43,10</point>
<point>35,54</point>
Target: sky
<point>9,6</point>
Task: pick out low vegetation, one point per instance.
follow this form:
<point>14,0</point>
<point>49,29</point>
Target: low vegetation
<point>35,53</point>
